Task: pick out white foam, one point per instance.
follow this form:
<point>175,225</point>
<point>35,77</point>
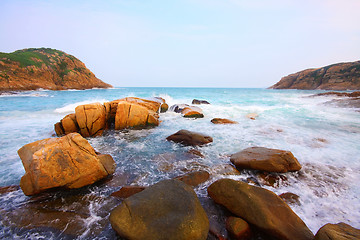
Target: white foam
<point>69,108</point>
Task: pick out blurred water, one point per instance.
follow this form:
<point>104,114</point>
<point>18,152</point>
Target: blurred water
<point>325,139</point>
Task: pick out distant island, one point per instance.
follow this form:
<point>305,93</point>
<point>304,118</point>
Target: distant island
<point>46,68</point>
<point>341,76</point>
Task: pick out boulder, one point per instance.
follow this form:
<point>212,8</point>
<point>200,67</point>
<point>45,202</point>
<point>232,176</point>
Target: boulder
<point>194,178</point>
<point>238,228</point>
<point>91,119</point>
<point>265,159</point>
<point>149,104</point>
<point>189,138</point>
<point>69,124</point>
<point>222,121</point>
<point>261,208</point>
<point>127,191</point>
<point>132,115</point>
<point>340,231</point>
<point>68,162</point>
<point>196,101</point>
<point>110,112</point>
<point>169,209</point>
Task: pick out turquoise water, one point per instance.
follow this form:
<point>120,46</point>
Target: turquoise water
<point>324,138</point>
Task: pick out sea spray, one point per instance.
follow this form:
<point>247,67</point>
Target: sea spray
<point>323,138</point>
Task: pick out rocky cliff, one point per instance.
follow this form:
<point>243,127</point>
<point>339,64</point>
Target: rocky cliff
<point>46,68</point>
<point>341,76</point>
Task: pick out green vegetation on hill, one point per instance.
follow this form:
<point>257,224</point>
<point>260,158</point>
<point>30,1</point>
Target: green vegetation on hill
<point>33,56</point>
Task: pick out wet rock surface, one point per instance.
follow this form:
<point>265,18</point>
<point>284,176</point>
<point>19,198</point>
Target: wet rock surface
<point>261,208</point>
<point>265,159</point>
<point>340,231</point>
<point>68,162</point>
<point>190,138</point>
<point>169,209</point>
<point>223,121</point>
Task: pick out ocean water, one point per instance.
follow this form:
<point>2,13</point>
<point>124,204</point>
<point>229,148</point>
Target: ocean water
<point>324,138</point>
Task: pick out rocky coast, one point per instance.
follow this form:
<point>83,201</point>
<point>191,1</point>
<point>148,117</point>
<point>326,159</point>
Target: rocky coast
<point>58,169</point>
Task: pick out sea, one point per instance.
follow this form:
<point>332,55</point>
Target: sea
<point>325,139</point>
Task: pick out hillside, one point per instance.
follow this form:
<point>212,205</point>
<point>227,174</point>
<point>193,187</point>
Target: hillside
<point>341,76</point>
<point>46,68</point>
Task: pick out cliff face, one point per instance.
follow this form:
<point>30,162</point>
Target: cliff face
<point>341,76</point>
<point>46,68</point>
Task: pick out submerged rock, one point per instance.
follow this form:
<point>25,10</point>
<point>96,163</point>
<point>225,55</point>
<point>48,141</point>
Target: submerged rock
<point>223,121</point>
<point>196,101</point>
<point>8,189</point>
<point>265,159</point>
<point>252,116</point>
<point>68,162</point>
<point>261,208</point>
<point>340,231</point>
<point>189,138</point>
<point>68,213</point>
<point>169,209</point>
<point>290,198</point>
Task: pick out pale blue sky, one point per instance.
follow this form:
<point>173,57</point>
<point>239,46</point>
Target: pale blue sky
<point>188,43</point>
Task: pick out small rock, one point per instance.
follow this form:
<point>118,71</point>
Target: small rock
<point>189,138</point>
<point>271,179</point>
<point>194,178</point>
<point>238,228</point>
<point>340,231</point>
<point>290,198</point>
<point>225,169</point>
<point>195,101</point>
<point>252,116</point>
<point>192,112</point>
<point>265,159</point>
<point>223,121</point>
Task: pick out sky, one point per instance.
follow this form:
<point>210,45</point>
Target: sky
<point>188,43</point>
